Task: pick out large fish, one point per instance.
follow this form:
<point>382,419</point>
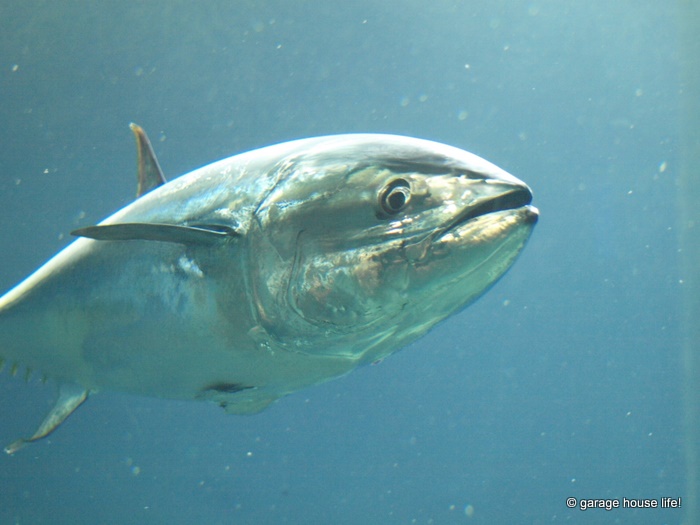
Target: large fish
<point>266,272</point>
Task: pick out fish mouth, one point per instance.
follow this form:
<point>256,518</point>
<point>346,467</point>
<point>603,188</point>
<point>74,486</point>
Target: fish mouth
<point>512,199</point>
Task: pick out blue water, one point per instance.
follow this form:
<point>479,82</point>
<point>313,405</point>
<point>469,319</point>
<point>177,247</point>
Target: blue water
<point>563,381</point>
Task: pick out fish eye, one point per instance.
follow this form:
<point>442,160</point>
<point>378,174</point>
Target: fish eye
<point>395,196</point>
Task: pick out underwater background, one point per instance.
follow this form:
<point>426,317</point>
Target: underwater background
<point>565,380</point>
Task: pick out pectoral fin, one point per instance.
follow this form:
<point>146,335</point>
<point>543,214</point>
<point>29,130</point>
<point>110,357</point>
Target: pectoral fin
<point>236,398</point>
<point>70,397</point>
<point>201,234</point>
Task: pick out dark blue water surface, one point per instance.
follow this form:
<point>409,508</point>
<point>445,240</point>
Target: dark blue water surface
<point>564,380</point>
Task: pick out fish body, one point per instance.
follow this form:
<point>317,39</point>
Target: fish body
<point>267,272</point>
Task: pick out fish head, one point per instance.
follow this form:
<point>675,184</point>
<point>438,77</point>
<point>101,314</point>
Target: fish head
<point>367,241</point>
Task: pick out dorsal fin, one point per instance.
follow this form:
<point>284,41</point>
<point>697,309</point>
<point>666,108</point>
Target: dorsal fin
<point>150,176</point>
